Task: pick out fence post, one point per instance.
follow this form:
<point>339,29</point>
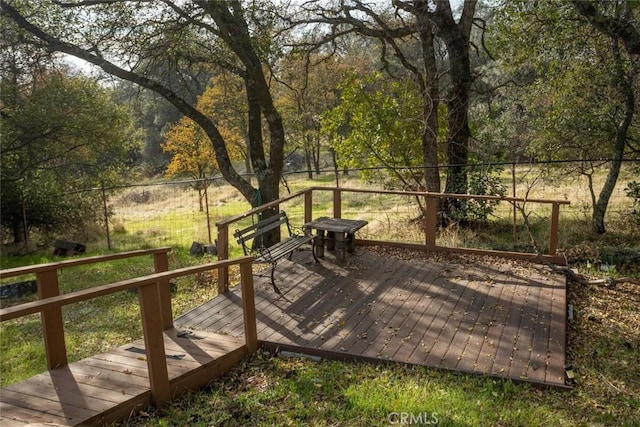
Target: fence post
<point>25,225</point>
<point>308,206</point>
<point>106,215</point>
<point>206,207</point>
<point>337,203</point>
<point>160,264</point>
<point>248,307</point>
<point>553,236</point>
<point>154,343</point>
<point>223,253</point>
<point>431,221</point>
<point>52,325</point>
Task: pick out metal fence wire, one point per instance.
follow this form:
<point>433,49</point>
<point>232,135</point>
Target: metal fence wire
<point>179,213</point>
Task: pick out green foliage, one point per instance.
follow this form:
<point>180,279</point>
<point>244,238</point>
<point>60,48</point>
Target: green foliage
<point>481,181</point>
<point>377,127</point>
<point>61,136</point>
<point>633,192</point>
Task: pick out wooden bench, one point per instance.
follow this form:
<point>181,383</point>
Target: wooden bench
<point>272,254</point>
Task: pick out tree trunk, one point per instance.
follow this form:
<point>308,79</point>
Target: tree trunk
<point>430,102</point>
<point>626,86</point>
<point>457,38</point>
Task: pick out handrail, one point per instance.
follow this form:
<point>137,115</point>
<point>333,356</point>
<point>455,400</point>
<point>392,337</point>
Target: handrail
<point>441,195</point>
<point>150,302</point>
<point>22,271</point>
<point>261,208</point>
<point>98,291</point>
<point>430,217</point>
<point>48,286</point>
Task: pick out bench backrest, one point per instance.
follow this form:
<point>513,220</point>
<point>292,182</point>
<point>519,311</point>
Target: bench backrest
<point>260,228</point>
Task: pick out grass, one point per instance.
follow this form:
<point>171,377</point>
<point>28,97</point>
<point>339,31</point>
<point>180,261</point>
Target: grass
<point>604,340</point>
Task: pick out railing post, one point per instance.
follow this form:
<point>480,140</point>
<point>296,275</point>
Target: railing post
<point>337,203</point>
<point>154,344</point>
<point>52,325</point>
<point>308,206</point>
<point>553,236</point>
<point>160,264</point>
<point>248,307</point>
<point>223,253</point>
<point>431,221</point>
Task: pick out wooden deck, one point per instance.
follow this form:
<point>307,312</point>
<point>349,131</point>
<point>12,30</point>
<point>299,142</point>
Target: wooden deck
<point>476,315</point>
<point>110,386</point>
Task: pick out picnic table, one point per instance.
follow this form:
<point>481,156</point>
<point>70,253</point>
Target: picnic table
<point>340,234</point>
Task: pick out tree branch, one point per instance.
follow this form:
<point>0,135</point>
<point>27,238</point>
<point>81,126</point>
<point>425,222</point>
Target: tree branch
<point>612,26</point>
<point>207,125</point>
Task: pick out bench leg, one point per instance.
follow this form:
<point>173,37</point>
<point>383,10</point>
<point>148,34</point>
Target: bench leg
<point>273,282</point>
<point>313,251</point>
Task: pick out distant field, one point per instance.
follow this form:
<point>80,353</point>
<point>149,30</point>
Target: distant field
<point>170,214</point>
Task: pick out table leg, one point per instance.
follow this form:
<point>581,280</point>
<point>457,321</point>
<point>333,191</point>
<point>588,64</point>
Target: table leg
<point>320,244</point>
<point>351,243</point>
<point>339,239</point>
<point>331,240</point>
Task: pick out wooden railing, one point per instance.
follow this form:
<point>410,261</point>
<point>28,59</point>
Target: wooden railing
<point>47,282</point>
<point>430,227</point>
<point>153,298</point>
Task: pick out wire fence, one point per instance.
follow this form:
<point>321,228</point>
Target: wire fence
<point>177,214</point>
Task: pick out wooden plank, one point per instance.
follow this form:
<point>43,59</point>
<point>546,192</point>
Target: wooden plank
<point>507,331</point>
<point>464,330</point>
<point>486,311</point>
<point>72,414</point>
<point>152,326</point>
<point>202,317</point>
<point>523,344</point>
<point>553,233</point>
<point>97,291</point>
<point>445,301</point>
<point>282,315</point>
<point>208,373</point>
<point>431,221</point>
<point>8,422</point>
<point>113,365</point>
<point>557,339</point>
<point>213,344</point>
<point>538,358</point>
<point>491,323</point>
<point>52,325</point>
<point>395,316</point>
<point>19,416</point>
<point>223,254</point>
<point>325,308</point>
<point>450,319</point>
<point>373,323</point>
<point>357,315</point>
<point>67,392</point>
<point>160,264</point>
<point>365,293</point>
<point>107,376</point>
<point>422,320</point>
<point>21,271</point>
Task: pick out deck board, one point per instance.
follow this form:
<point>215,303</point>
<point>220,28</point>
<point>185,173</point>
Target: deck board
<point>504,319</point>
<point>109,386</point>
